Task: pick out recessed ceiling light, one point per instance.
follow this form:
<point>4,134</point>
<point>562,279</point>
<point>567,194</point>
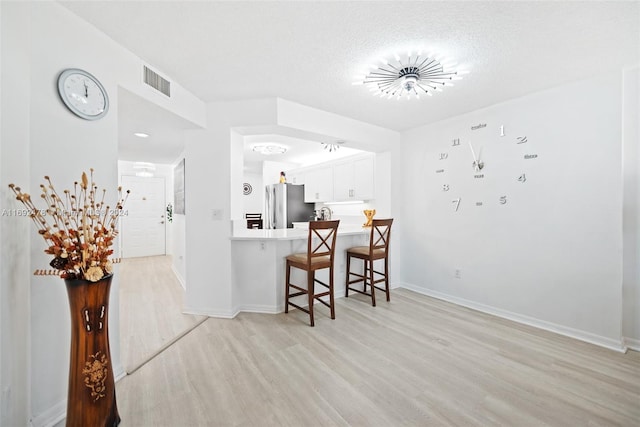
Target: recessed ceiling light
<point>144,169</point>
<point>141,135</point>
<point>269,149</point>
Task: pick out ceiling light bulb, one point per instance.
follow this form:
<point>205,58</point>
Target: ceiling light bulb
<point>141,135</point>
<point>409,82</point>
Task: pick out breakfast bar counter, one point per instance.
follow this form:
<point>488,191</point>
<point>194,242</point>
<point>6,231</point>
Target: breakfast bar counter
<point>291,233</point>
<point>258,264</point>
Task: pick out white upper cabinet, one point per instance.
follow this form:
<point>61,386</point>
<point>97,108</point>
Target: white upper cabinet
<point>354,179</point>
<point>349,179</point>
<point>295,176</point>
<point>318,185</point>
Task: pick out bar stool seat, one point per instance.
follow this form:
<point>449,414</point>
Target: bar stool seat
<point>378,249</point>
<point>321,245</point>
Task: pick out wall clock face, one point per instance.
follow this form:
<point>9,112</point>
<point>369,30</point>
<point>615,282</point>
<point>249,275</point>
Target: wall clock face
<point>83,94</point>
<point>483,165</point>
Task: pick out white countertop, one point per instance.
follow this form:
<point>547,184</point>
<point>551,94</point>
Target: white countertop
<point>291,233</point>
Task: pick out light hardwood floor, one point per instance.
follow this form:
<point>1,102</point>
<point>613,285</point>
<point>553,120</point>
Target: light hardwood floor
<point>413,361</point>
<point>150,308</point>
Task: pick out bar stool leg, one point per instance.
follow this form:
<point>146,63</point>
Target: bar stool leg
<point>332,306</point>
<point>373,286</point>
<point>364,275</point>
<point>286,295</point>
<point>310,289</point>
<point>386,278</point>
<point>346,294</point>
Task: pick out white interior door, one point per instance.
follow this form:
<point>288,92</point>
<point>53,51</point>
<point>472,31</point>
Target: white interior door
<point>143,228</point>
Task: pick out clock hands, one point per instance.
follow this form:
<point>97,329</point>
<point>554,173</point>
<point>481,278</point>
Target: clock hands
<point>86,90</point>
<point>477,164</point>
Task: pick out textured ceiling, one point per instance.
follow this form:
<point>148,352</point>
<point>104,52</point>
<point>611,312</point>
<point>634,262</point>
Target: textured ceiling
<point>309,52</point>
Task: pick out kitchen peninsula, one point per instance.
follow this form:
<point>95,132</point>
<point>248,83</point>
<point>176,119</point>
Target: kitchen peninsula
<point>258,264</point>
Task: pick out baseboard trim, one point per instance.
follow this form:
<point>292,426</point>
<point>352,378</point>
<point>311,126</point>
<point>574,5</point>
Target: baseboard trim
<point>258,308</point>
<point>210,312</point>
<point>178,277</point>
<point>611,344</point>
<point>119,372</point>
<point>632,343</point>
<point>51,416</point>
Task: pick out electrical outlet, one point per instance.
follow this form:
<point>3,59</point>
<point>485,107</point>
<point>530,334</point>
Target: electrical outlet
<point>457,274</point>
<point>262,246</point>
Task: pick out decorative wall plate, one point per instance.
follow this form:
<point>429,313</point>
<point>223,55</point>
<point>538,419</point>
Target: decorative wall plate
<point>246,189</point>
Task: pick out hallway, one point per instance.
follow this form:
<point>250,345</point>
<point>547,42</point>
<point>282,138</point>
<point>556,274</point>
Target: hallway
<point>151,301</point>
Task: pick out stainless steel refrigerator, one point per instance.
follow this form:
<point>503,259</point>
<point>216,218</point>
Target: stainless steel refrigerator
<point>284,205</point>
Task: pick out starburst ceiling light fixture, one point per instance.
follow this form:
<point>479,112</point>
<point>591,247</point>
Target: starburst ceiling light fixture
<point>410,75</point>
<point>331,146</point>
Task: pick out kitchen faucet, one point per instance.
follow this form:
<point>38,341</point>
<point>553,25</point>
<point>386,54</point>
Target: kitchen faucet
<point>325,213</point>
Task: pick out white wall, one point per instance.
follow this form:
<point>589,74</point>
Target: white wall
<point>631,208</point>
<point>15,278</point>
<point>551,256</point>
<point>254,202</point>
<point>39,40</point>
<point>271,171</point>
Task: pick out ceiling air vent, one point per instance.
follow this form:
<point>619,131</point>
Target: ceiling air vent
<point>156,81</point>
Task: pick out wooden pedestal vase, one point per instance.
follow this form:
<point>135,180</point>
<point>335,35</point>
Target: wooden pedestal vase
<point>92,394</point>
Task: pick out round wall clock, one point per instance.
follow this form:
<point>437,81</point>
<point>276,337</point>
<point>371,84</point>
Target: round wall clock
<point>83,94</point>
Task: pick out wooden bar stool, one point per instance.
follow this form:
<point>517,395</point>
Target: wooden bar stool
<point>254,220</point>
<point>321,246</point>
<point>378,249</point>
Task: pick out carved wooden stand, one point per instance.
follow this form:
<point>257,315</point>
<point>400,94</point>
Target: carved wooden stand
<point>91,400</point>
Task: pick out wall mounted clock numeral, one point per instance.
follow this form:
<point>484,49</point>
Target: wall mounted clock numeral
<point>503,200</point>
<point>522,178</point>
<point>444,156</point>
<point>445,187</point>
<point>457,202</point>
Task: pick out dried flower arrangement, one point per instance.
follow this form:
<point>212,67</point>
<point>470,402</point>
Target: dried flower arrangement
<point>78,228</point>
